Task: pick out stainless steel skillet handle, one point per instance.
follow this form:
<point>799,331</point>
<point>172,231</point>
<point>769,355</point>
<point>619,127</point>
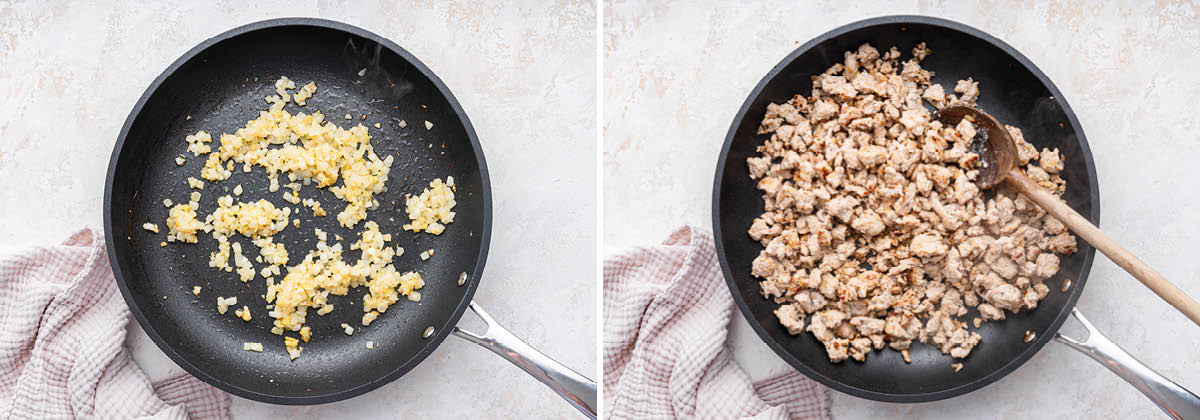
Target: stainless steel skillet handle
<point>1177,402</point>
<point>575,388</point>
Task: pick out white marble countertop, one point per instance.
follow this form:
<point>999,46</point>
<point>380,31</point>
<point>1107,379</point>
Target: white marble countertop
<point>675,75</point>
<point>70,73</point>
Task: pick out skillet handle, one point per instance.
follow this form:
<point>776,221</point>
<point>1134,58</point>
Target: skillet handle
<point>575,388</point>
<point>1177,402</point>
<point>1137,268</point>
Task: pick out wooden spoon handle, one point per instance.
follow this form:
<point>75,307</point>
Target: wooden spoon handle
<point>1115,252</point>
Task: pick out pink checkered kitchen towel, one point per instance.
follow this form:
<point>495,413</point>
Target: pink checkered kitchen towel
<point>666,318</point>
<point>62,343</point>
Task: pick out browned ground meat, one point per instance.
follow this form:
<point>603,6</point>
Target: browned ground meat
<point>858,172</point>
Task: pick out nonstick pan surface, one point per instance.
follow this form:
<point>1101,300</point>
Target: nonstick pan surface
<point>217,87</point>
<point>1013,90</point>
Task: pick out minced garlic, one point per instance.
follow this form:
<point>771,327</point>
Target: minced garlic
<point>253,220</point>
<point>220,259</point>
<point>432,209</point>
<point>223,304</point>
<point>198,143</point>
<point>305,92</point>
<point>323,272</point>
<point>182,224</point>
<point>308,150</point>
<point>369,317</point>
<point>195,183</point>
<point>293,347</point>
<point>315,206</point>
<point>243,313</point>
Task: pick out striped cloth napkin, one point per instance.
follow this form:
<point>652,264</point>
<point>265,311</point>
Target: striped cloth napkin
<point>62,335</point>
<point>666,319</point>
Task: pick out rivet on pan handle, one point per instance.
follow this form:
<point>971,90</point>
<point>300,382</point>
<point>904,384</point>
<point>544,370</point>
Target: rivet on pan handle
<point>1173,399</point>
<point>575,388</point>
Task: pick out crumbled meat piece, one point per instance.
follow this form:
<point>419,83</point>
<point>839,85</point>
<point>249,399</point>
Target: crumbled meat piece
<point>1047,265</point>
<point>1005,296</point>
<point>872,155</point>
<point>869,223</point>
<point>1025,151</point>
<point>1004,266</point>
<point>1042,290</point>
<point>837,349</point>
<point>966,129</point>
<point>928,245</point>
<point>1037,174</point>
<point>921,51</point>
<point>770,122</point>
<point>764,266</point>
<point>873,230</point>
<point>935,95</point>
<point>1063,243</point>
<point>770,184</point>
<point>864,82</point>
<point>778,248</point>
<point>964,189</point>
<point>1052,225</point>
<point>792,318</point>
<point>971,299</point>
<point>951,303</point>
<point>1050,161</point>
<point>758,166</point>
<point>762,229</point>
<point>809,301</point>
<point>823,110</point>
<point>989,312</point>
<point>838,85</point>
<point>842,207</point>
<point>868,325</point>
<point>805,201</point>
<point>859,347</point>
<point>913,118</point>
<point>823,323</point>
<point>1030,299</point>
<point>969,89</point>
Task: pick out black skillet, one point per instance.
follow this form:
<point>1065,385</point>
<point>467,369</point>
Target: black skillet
<point>218,86</point>
<point>1014,91</point>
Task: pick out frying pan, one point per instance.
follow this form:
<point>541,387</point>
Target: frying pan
<point>1013,90</point>
<point>218,86</point>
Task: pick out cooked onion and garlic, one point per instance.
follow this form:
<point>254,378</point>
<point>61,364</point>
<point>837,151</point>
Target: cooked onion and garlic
<point>305,149</point>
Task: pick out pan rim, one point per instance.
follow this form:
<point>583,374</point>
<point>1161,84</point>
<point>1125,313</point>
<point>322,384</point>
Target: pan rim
<point>744,306</point>
<point>442,332</point>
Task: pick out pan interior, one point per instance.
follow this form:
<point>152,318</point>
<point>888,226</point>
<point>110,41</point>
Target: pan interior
<point>217,88</point>
<point>1013,91</point>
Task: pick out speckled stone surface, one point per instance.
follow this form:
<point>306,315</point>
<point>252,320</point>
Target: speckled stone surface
<point>524,72</point>
<point>675,74</point>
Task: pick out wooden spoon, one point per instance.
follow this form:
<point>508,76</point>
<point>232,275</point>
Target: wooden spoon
<point>997,164</point>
